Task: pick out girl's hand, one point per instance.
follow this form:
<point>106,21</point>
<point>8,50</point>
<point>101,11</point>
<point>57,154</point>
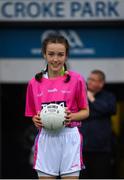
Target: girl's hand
<point>37,120</point>
<point>69,116</point>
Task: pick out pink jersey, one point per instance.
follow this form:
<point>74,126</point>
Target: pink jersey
<point>54,90</point>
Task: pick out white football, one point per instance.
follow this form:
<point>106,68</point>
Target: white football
<point>53,116</point>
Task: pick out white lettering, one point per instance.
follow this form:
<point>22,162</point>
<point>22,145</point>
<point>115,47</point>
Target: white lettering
<point>52,90</point>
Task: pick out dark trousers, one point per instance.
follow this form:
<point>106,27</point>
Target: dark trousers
<point>98,165</point>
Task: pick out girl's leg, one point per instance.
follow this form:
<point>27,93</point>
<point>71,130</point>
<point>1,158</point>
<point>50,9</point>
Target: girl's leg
<point>73,175</point>
<point>47,177</point>
<point>70,177</point>
<point>42,175</point>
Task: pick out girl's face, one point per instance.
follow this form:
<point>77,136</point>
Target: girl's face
<point>55,56</point>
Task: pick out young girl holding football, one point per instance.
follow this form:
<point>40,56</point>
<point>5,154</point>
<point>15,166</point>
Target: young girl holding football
<point>57,153</point>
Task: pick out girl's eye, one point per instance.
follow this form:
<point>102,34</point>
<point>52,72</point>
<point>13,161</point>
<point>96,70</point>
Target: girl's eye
<point>51,54</point>
<point>54,54</point>
<point>60,54</point>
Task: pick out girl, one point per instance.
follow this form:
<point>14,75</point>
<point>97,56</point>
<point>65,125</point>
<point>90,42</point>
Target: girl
<point>57,153</point>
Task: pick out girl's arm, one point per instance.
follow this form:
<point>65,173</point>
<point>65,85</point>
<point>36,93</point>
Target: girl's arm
<point>78,116</point>
<point>37,120</point>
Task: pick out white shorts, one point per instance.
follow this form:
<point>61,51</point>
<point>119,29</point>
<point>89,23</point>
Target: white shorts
<point>58,153</point>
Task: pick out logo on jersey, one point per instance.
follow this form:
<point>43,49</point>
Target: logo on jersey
<point>52,90</point>
<point>40,94</point>
<point>66,91</point>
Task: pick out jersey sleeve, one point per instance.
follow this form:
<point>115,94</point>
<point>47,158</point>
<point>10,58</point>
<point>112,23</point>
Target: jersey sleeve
<point>82,94</point>
<point>30,105</point>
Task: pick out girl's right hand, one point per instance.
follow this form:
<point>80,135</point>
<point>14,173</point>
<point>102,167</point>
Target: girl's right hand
<point>37,120</point>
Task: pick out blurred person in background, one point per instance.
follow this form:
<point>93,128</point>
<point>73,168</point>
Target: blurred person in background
<point>96,129</point>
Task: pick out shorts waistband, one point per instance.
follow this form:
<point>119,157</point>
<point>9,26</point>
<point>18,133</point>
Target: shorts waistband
<point>60,131</point>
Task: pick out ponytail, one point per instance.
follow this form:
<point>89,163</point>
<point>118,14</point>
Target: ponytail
<point>39,75</point>
<point>68,77</point>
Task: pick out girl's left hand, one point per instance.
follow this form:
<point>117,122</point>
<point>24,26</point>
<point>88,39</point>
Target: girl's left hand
<point>68,117</point>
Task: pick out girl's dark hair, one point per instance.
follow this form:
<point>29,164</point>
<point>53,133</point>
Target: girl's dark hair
<point>54,39</point>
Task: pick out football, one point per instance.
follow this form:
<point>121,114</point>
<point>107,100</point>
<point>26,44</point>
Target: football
<point>53,116</point>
